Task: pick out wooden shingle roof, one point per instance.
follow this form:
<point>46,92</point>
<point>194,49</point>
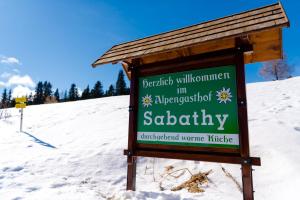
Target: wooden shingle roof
<point>261,20</point>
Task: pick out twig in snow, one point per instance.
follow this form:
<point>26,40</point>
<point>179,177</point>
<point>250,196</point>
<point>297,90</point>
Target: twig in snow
<point>153,175</point>
<point>232,178</point>
<point>192,185</point>
<point>186,169</point>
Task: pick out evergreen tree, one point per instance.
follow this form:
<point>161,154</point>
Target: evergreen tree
<point>4,99</point>
<point>47,90</point>
<point>13,102</point>
<point>39,94</point>
<point>65,96</point>
<point>30,99</point>
<point>9,98</point>
<point>121,84</point>
<point>73,93</point>
<point>110,91</point>
<point>56,95</point>
<point>86,93</point>
<point>97,91</point>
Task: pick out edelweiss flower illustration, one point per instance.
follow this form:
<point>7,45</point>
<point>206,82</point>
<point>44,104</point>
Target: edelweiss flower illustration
<point>224,95</point>
<point>147,101</point>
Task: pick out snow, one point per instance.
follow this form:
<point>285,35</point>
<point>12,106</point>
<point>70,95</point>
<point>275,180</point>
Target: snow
<point>74,151</point>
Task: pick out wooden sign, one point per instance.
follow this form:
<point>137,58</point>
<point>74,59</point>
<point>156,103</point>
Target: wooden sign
<point>192,109</point>
<point>20,105</point>
<point>21,100</point>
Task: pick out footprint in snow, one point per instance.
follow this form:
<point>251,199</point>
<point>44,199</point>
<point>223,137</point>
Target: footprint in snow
<point>32,189</point>
<point>252,120</point>
<point>17,198</point>
<point>58,185</point>
<point>119,180</point>
<point>13,169</point>
<point>297,128</point>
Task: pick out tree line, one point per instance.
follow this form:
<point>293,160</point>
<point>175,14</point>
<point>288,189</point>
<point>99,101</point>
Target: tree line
<point>44,93</point>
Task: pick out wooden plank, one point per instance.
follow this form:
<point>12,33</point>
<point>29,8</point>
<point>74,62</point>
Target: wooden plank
<point>209,23</point>
<point>247,180</point>
<point>268,39</point>
<point>258,57</point>
<point>194,31</point>
<point>194,37</point>
<point>193,50</point>
<point>266,46</point>
<point>219,158</point>
<point>264,36</point>
<point>126,69</point>
<point>284,13</point>
<point>131,159</point>
<point>232,33</point>
<point>242,103</point>
<point>243,122</point>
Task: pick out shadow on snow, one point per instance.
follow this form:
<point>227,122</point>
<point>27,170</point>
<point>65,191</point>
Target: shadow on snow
<point>36,140</point>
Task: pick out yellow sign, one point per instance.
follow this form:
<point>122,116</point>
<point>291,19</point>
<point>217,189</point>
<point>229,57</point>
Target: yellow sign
<point>21,105</point>
<point>21,100</point>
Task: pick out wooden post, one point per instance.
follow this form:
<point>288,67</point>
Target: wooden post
<point>243,123</point>
<point>131,160</point>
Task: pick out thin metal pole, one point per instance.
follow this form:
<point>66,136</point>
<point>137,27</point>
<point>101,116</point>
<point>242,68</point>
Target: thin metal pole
<point>21,121</point>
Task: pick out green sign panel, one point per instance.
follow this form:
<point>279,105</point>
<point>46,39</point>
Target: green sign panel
<point>190,108</point>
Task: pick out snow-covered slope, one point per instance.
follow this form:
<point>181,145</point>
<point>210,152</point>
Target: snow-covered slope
<point>75,151</point>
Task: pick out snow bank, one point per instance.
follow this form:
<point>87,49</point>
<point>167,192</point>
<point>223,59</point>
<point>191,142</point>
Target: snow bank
<point>74,151</point>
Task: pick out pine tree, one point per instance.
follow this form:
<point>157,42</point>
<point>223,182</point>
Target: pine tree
<point>110,91</point>
<point>9,98</point>
<point>47,90</point>
<point>56,95</point>
<point>4,99</point>
<point>97,91</point>
<point>86,93</point>
<point>13,102</point>
<point>65,96</point>
<point>39,94</point>
<point>121,88</point>
<point>73,93</point>
<point>30,99</point>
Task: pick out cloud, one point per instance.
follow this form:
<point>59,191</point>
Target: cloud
<point>20,91</point>
<point>16,71</point>
<point>2,84</point>
<point>20,80</point>
<point>9,60</point>
<point>5,75</point>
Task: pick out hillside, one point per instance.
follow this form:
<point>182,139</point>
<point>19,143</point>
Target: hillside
<point>74,150</point>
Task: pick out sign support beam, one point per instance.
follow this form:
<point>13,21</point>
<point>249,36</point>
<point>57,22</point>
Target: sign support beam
<point>243,122</point>
<point>131,158</point>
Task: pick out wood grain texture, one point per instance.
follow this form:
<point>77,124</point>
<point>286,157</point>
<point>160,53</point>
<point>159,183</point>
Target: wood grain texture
<point>208,36</point>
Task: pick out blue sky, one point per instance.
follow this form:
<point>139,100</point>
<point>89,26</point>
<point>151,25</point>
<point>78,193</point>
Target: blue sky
<point>58,40</point>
